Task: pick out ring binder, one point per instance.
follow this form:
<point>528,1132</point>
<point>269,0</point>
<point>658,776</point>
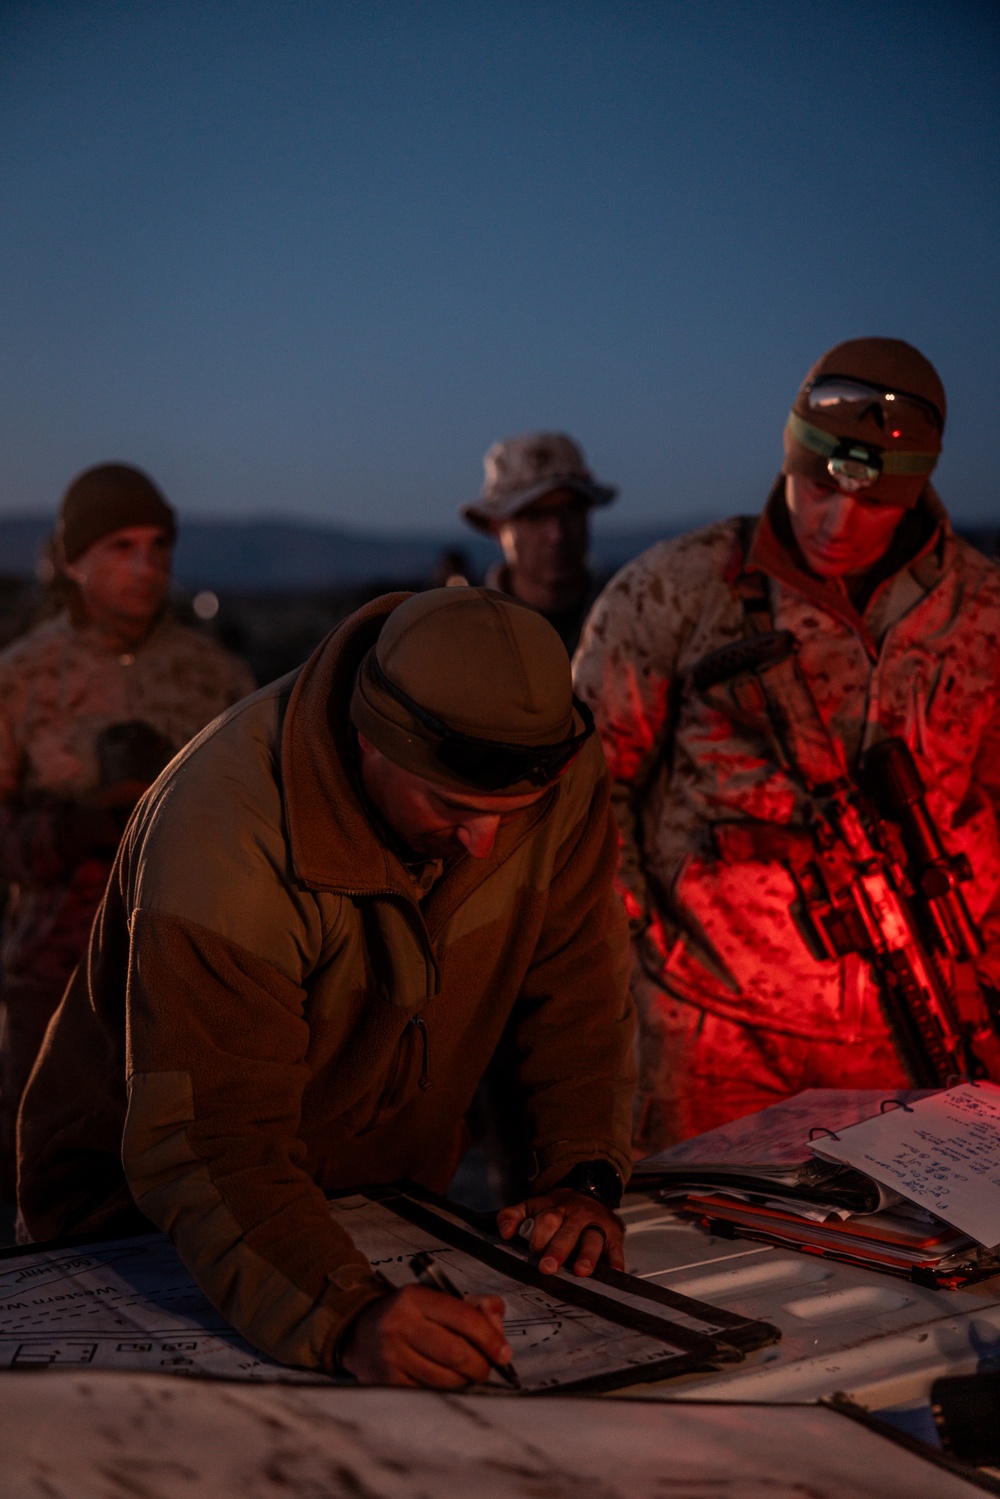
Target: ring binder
<point>768,1176</point>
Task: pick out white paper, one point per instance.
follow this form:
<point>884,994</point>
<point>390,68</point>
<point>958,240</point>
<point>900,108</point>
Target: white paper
<point>942,1153</point>
<point>94,1436</point>
<point>125,1305</point>
<point>132,1305</point>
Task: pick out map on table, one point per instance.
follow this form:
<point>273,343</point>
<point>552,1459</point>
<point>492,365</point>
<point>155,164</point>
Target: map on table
<point>130,1304</point>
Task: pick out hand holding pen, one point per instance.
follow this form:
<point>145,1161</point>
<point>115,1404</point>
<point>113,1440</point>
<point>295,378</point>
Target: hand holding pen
<point>430,1274</point>
<point>425,1336</point>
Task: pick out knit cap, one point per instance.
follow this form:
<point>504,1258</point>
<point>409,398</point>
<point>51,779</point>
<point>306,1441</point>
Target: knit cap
<point>818,435</point>
<point>484,664</point>
<point>107,498</point>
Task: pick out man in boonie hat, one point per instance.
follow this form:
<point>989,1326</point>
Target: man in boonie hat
<point>536,500</point>
<point>897,622</point>
<point>322,920</point>
<point>93,703</point>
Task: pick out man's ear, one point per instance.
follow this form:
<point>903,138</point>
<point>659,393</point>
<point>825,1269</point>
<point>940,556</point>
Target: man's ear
<point>370,757</point>
<point>503,531</point>
<point>367,758</point>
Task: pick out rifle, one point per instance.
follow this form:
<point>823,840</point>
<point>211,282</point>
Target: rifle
<point>872,873</point>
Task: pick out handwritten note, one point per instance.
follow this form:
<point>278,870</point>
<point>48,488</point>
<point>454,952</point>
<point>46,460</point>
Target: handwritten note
<point>942,1152</point>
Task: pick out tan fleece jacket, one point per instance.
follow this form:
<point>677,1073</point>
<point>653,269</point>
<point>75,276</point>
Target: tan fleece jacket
<point>267,1013</point>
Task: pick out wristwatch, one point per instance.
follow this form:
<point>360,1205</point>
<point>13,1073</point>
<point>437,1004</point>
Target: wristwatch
<point>597,1179</point>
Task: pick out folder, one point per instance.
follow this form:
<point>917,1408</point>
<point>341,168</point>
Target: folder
<point>757,1178</point>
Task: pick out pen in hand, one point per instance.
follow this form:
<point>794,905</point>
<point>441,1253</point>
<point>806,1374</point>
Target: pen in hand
<point>430,1274</point>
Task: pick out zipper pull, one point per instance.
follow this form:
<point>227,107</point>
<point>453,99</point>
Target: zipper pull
<point>424,1080</point>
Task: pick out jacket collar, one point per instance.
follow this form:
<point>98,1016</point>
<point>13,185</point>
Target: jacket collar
<point>772,551</point>
<point>334,845</point>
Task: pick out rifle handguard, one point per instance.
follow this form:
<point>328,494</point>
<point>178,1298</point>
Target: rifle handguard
<point>748,655</point>
<point>892,770</point>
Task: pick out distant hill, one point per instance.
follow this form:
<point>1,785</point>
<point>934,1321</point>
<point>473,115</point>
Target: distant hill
<point>274,554</point>
<point>289,555</point>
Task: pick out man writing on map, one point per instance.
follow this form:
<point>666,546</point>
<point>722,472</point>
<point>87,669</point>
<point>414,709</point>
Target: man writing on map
<point>323,917</point>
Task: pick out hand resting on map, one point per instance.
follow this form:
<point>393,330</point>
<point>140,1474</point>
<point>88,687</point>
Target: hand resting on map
<point>417,1336</point>
<point>565,1220</point>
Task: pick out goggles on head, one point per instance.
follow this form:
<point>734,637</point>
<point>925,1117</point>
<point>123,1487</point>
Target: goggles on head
<point>489,763</point>
<point>897,414</point>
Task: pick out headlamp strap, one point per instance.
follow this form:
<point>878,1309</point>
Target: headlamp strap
<point>828,446</point>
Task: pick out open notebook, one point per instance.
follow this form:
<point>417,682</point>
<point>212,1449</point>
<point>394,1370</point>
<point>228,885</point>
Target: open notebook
<point>834,1172</point>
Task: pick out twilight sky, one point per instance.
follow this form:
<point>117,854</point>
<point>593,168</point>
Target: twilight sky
<point>309,259</point>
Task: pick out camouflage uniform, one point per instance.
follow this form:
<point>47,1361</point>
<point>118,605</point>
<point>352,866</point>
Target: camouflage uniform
<point>735,1011</point>
<point>518,473</point>
<point>60,687</point>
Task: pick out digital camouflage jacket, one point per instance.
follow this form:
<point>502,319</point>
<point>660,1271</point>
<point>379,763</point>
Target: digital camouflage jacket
<point>922,660</point>
<point>60,688</point>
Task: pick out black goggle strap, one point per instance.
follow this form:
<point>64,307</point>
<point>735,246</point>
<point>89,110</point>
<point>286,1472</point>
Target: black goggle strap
<point>828,446</point>
<point>524,761</point>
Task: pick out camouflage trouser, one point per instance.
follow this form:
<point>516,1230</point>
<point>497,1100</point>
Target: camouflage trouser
<point>697,1070</point>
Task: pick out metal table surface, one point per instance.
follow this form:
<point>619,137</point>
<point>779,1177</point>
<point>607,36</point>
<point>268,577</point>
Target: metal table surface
<point>876,1338</point>
<point>103,1435</point>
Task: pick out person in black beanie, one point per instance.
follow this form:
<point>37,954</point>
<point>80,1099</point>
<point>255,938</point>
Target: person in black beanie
<point>93,703</point>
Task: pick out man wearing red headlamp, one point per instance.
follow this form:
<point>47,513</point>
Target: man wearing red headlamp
<point>896,626</point>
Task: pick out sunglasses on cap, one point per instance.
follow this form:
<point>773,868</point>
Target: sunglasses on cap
<point>488,763</point>
<point>895,412</point>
